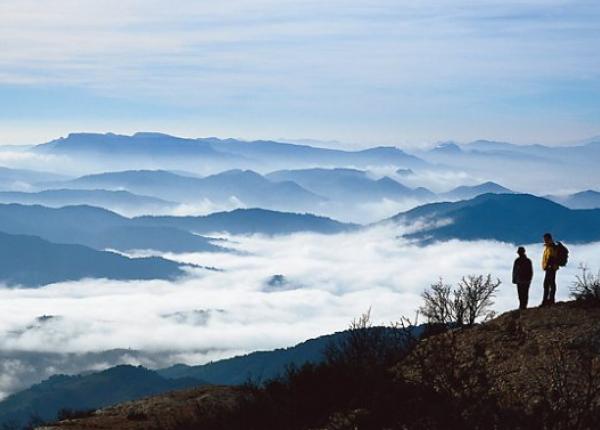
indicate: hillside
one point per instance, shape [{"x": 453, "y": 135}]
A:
[
  {"x": 31, "y": 262},
  {"x": 513, "y": 218},
  {"x": 118, "y": 384},
  {"x": 118, "y": 201},
  {"x": 97, "y": 228},
  {"x": 522, "y": 370}
]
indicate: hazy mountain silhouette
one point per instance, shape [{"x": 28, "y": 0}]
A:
[
  {"x": 119, "y": 201},
  {"x": 247, "y": 186},
  {"x": 468, "y": 192},
  {"x": 84, "y": 392},
  {"x": 138, "y": 144},
  {"x": 249, "y": 221},
  {"x": 97, "y": 228},
  {"x": 349, "y": 185},
  {"x": 583, "y": 200},
  {"x": 23, "y": 179},
  {"x": 515, "y": 218},
  {"x": 30, "y": 261},
  {"x": 260, "y": 152}
]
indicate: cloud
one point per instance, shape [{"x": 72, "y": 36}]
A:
[
  {"x": 308, "y": 67},
  {"x": 211, "y": 315}
]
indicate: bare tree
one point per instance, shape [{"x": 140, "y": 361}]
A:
[
  {"x": 465, "y": 305},
  {"x": 586, "y": 286}
]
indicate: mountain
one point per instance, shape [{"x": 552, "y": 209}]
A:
[
  {"x": 30, "y": 262},
  {"x": 349, "y": 185},
  {"x": 156, "y": 144},
  {"x": 513, "y": 218},
  {"x": 90, "y": 390},
  {"x": 236, "y": 152},
  {"x": 516, "y": 371},
  {"x": 22, "y": 179},
  {"x": 257, "y": 366},
  {"x": 583, "y": 200},
  {"x": 248, "y": 187},
  {"x": 85, "y": 392},
  {"x": 468, "y": 192},
  {"x": 97, "y": 228},
  {"x": 284, "y": 153},
  {"x": 118, "y": 201},
  {"x": 249, "y": 221}
]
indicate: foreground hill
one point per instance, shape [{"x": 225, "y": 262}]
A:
[
  {"x": 30, "y": 261},
  {"x": 514, "y": 218},
  {"x": 532, "y": 369},
  {"x": 90, "y": 390}
]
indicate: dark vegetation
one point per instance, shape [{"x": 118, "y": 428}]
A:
[
  {"x": 586, "y": 287},
  {"x": 383, "y": 378},
  {"x": 444, "y": 375}
]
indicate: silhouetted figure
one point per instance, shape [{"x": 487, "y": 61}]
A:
[
  {"x": 550, "y": 266},
  {"x": 522, "y": 276}
]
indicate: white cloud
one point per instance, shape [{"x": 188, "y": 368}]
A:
[{"x": 335, "y": 278}]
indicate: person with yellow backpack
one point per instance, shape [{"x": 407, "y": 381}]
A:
[{"x": 555, "y": 256}]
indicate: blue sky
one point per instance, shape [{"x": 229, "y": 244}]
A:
[{"x": 361, "y": 72}]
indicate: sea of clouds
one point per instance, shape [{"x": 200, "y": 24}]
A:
[{"x": 274, "y": 292}]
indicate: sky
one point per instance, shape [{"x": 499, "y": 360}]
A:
[
  {"x": 215, "y": 314},
  {"x": 393, "y": 72}
]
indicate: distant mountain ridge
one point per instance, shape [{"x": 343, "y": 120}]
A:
[
  {"x": 97, "y": 228},
  {"x": 248, "y": 187},
  {"x": 31, "y": 262},
  {"x": 258, "y": 152},
  {"x": 514, "y": 218},
  {"x": 342, "y": 184},
  {"x": 588, "y": 199},
  {"x": 466, "y": 192},
  {"x": 250, "y": 221},
  {"x": 118, "y": 201}
]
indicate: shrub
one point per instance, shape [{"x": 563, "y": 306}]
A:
[
  {"x": 464, "y": 305},
  {"x": 586, "y": 286}
]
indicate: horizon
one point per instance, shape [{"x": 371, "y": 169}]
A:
[{"x": 313, "y": 142}]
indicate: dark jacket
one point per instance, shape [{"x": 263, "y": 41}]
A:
[{"x": 522, "y": 271}]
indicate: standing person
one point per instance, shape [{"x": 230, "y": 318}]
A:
[
  {"x": 522, "y": 275},
  {"x": 550, "y": 266}
]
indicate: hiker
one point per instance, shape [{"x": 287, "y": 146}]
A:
[
  {"x": 550, "y": 266},
  {"x": 522, "y": 275}
]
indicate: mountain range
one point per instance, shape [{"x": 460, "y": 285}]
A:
[
  {"x": 93, "y": 390},
  {"x": 513, "y": 218},
  {"x": 118, "y": 201},
  {"x": 261, "y": 153},
  {"x": 249, "y": 221},
  {"x": 588, "y": 199},
  {"x": 97, "y": 228},
  {"x": 84, "y": 392},
  {"x": 30, "y": 262},
  {"x": 341, "y": 184},
  {"x": 243, "y": 187}
]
